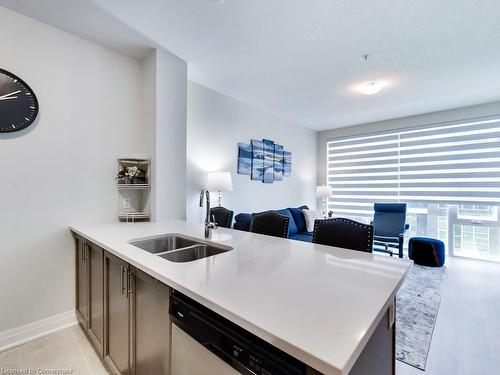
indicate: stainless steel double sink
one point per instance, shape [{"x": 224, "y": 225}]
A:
[{"x": 178, "y": 248}]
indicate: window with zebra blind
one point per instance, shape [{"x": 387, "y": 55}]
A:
[{"x": 448, "y": 174}]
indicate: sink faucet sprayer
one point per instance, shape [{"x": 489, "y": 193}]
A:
[{"x": 208, "y": 224}]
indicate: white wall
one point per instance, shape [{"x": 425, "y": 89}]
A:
[
  {"x": 62, "y": 170},
  {"x": 170, "y": 137},
  {"x": 487, "y": 109},
  {"x": 165, "y": 102},
  {"x": 216, "y": 124}
]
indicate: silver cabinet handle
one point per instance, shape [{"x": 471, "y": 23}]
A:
[
  {"x": 129, "y": 283},
  {"x": 121, "y": 279}
]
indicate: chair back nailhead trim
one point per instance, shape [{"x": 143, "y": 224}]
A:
[
  {"x": 229, "y": 215},
  {"x": 369, "y": 228},
  {"x": 283, "y": 218}
]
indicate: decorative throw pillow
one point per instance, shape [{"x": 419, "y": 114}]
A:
[
  {"x": 311, "y": 216},
  {"x": 298, "y": 217}
]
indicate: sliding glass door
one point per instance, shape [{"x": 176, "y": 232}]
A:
[{"x": 448, "y": 174}]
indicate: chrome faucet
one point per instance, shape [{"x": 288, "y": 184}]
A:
[{"x": 208, "y": 224}]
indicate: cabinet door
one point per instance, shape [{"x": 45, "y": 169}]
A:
[
  {"x": 96, "y": 295},
  {"x": 150, "y": 325},
  {"x": 378, "y": 355},
  {"x": 81, "y": 281},
  {"x": 117, "y": 315}
]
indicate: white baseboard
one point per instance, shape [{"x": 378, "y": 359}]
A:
[{"x": 28, "y": 332}]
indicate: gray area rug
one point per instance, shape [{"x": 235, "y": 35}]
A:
[{"x": 417, "y": 305}]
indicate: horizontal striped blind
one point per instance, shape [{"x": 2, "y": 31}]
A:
[{"x": 447, "y": 163}]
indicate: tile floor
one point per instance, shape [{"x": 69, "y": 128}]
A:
[
  {"x": 66, "y": 349},
  {"x": 465, "y": 340}
]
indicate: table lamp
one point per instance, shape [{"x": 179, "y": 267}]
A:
[
  {"x": 323, "y": 192},
  {"x": 219, "y": 181}
]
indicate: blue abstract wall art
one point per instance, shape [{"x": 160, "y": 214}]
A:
[
  {"x": 264, "y": 161},
  {"x": 279, "y": 161},
  {"x": 287, "y": 164},
  {"x": 257, "y": 160},
  {"x": 244, "y": 159},
  {"x": 268, "y": 161}
]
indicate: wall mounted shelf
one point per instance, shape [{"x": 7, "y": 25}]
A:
[
  {"x": 134, "y": 198},
  {"x": 134, "y": 186}
]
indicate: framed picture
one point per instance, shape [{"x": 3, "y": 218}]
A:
[
  {"x": 287, "y": 165},
  {"x": 278, "y": 162},
  {"x": 268, "y": 177},
  {"x": 264, "y": 161},
  {"x": 245, "y": 159},
  {"x": 257, "y": 160}
]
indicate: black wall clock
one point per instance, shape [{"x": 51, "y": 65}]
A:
[{"x": 18, "y": 103}]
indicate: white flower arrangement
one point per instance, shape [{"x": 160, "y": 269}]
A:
[{"x": 132, "y": 173}]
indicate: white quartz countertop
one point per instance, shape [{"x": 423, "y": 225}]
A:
[{"x": 318, "y": 303}]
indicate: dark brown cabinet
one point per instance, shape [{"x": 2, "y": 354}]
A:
[
  {"x": 123, "y": 310},
  {"x": 137, "y": 321},
  {"x": 81, "y": 281},
  {"x": 95, "y": 260},
  {"x": 151, "y": 328},
  {"x": 89, "y": 290},
  {"x": 118, "y": 308}
]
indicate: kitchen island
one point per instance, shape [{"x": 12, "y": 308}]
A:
[{"x": 322, "y": 305}]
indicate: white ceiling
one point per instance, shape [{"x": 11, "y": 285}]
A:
[{"x": 298, "y": 59}]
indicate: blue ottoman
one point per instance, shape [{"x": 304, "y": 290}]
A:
[{"x": 426, "y": 251}]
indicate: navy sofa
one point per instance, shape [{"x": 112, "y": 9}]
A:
[{"x": 297, "y": 224}]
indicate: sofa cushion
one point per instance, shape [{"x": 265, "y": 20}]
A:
[
  {"x": 242, "y": 221},
  {"x": 311, "y": 216},
  {"x": 292, "y": 228},
  {"x": 298, "y": 217},
  {"x": 304, "y": 236}
]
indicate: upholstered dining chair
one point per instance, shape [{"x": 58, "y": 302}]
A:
[
  {"x": 270, "y": 223},
  {"x": 222, "y": 216},
  {"x": 345, "y": 233}
]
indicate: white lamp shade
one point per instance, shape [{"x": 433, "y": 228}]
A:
[
  {"x": 219, "y": 181},
  {"x": 323, "y": 191}
]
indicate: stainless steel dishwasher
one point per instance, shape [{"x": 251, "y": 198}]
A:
[{"x": 205, "y": 343}]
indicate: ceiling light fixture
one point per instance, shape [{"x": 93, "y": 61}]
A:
[{"x": 371, "y": 88}]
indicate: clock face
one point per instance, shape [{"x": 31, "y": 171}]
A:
[{"x": 18, "y": 103}]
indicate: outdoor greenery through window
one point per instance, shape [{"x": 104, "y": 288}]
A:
[{"x": 448, "y": 174}]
